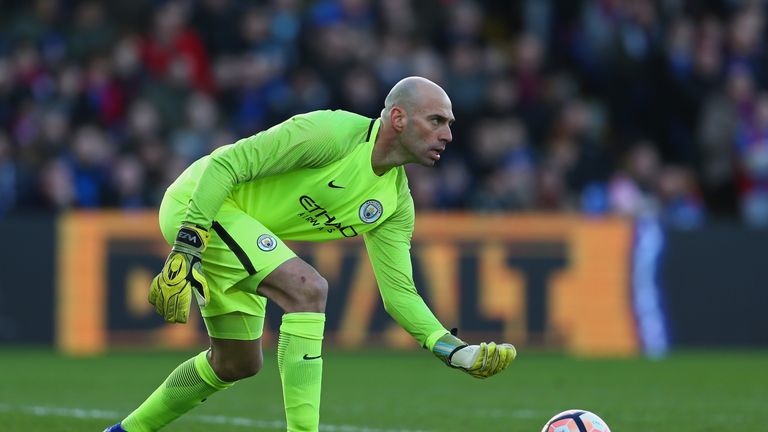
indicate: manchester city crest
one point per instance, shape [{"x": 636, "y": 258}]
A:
[
  {"x": 266, "y": 242},
  {"x": 370, "y": 211}
]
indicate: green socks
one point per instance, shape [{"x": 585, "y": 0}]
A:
[
  {"x": 185, "y": 388},
  {"x": 301, "y": 368}
]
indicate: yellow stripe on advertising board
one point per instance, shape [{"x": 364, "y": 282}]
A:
[{"x": 486, "y": 274}]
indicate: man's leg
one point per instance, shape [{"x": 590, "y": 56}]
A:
[
  {"x": 235, "y": 314},
  {"x": 297, "y": 288},
  {"x": 194, "y": 381}
]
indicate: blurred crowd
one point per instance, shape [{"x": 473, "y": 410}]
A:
[{"x": 635, "y": 107}]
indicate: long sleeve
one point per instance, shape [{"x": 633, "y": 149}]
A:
[
  {"x": 389, "y": 250},
  {"x": 306, "y": 140}
]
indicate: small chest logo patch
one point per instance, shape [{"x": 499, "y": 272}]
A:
[
  {"x": 266, "y": 242},
  {"x": 370, "y": 211}
]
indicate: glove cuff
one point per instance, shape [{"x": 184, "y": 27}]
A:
[
  {"x": 446, "y": 346},
  {"x": 191, "y": 239}
]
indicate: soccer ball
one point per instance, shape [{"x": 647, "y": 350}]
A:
[{"x": 576, "y": 421}]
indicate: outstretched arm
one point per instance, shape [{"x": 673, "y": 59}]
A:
[{"x": 389, "y": 250}]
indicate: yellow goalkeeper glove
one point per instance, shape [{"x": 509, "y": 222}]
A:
[
  {"x": 170, "y": 292},
  {"x": 480, "y": 361}
]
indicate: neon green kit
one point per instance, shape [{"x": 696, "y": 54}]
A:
[{"x": 308, "y": 178}]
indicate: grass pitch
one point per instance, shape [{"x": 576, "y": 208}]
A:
[{"x": 384, "y": 391}]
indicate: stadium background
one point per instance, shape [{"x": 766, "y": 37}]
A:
[{"x": 604, "y": 201}]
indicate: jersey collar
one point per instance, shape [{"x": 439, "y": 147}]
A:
[{"x": 373, "y": 130}]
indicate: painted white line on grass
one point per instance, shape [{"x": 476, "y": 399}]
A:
[
  {"x": 245, "y": 422},
  {"x": 505, "y": 413}
]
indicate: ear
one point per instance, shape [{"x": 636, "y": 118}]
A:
[{"x": 398, "y": 118}]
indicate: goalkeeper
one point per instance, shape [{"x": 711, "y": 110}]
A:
[{"x": 319, "y": 176}]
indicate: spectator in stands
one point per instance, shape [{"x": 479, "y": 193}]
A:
[{"x": 551, "y": 96}]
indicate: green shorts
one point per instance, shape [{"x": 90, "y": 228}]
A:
[
  {"x": 241, "y": 252},
  {"x": 235, "y": 325}
]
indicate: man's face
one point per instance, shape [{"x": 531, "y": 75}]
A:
[{"x": 428, "y": 130}]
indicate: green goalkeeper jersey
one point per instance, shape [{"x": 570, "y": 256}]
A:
[{"x": 310, "y": 178}]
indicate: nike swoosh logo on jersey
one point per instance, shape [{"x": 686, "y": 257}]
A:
[
  {"x": 307, "y": 357},
  {"x": 330, "y": 184}
]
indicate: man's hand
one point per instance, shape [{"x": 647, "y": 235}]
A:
[
  {"x": 480, "y": 361},
  {"x": 170, "y": 292}
]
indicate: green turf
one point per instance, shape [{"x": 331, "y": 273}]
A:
[{"x": 391, "y": 391}]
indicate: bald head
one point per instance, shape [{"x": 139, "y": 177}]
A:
[
  {"x": 415, "y": 125},
  {"x": 409, "y": 92}
]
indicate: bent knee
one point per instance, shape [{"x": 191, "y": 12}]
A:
[
  {"x": 235, "y": 370},
  {"x": 296, "y": 287},
  {"x": 320, "y": 289},
  {"x": 314, "y": 293}
]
